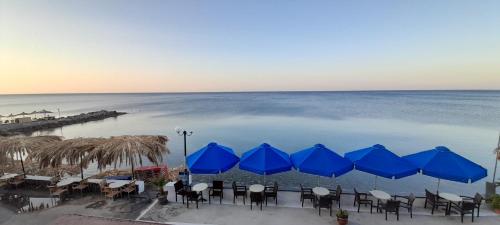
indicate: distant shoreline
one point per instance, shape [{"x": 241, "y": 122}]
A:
[{"x": 257, "y": 92}]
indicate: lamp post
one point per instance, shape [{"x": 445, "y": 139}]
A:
[{"x": 182, "y": 132}]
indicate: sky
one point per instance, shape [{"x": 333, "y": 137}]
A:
[{"x": 209, "y": 46}]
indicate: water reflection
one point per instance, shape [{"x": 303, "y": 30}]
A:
[{"x": 23, "y": 203}]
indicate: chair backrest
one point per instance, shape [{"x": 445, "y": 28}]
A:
[
  {"x": 411, "y": 199},
  {"x": 430, "y": 196},
  {"x": 324, "y": 202},
  {"x": 392, "y": 205},
  {"x": 338, "y": 192},
  {"x": 255, "y": 196},
  {"x": 478, "y": 198},
  {"x": 218, "y": 184},
  {"x": 275, "y": 190},
  {"x": 466, "y": 206},
  {"x": 356, "y": 194},
  {"x": 178, "y": 185}
]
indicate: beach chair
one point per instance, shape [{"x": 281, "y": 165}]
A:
[
  {"x": 391, "y": 206},
  {"x": 477, "y": 200},
  {"x": 335, "y": 195},
  {"x": 180, "y": 189},
  {"x": 217, "y": 189},
  {"x": 306, "y": 193},
  {"x": 464, "y": 208},
  {"x": 193, "y": 196},
  {"x": 130, "y": 188},
  {"x": 362, "y": 199},
  {"x": 81, "y": 186},
  {"x": 325, "y": 203},
  {"x": 433, "y": 200},
  {"x": 256, "y": 197},
  {"x": 410, "y": 199},
  {"x": 239, "y": 190},
  {"x": 271, "y": 192}
]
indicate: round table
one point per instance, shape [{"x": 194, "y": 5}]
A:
[
  {"x": 199, "y": 187},
  {"x": 451, "y": 198},
  {"x": 321, "y": 191},
  {"x": 381, "y": 195},
  {"x": 256, "y": 188}
]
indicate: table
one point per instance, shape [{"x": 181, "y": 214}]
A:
[
  {"x": 380, "y": 195},
  {"x": 9, "y": 176},
  {"x": 321, "y": 191},
  {"x": 67, "y": 181},
  {"x": 39, "y": 178},
  {"x": 118, "y": 183},
  {"x": 256, "y": 188},
  {"x": 199, "y": 187},
  {"x": 451, "y": 198}
]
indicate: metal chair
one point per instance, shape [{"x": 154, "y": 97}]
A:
[
  {"x": 217, "y": 189},
  {"x": 271, "y": 192},
  {"x": 433, "y": 200},
  {"x": 180, "y": 189},
  {"x": 408, "y": 204},
  {"x": 193, "y": 196},
  {"x": 239, "y": 190},
  {"x": 335, "y": 195},
  {"x": 477, "y": 200},
  {"x": 325, "y": 203},
  {"x": 464, "y": 208},
  {"x": 391, "y": 206},
  {"x": 306, "y": 193},
  {"x": 256, "y": 197},
  {"x": 362, "y": 199}
]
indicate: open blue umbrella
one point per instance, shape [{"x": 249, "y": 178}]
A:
[
  {"x": 212, "y": 159},
  {"x": 379, "y": 161},
  {"x": 321, "y": 161},
  {"x": 442, "y": 163},
  {"x": 265, "y": 160}
]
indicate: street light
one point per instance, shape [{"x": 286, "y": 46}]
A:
[{"x": 181, "y": 132}]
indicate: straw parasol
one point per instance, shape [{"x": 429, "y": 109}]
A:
[
  {"x": 129, "y": 150},
  {"x": 71, "y": 151},
  {"x": 19, "y": 145},
  {"x": 44, "y": 112}
]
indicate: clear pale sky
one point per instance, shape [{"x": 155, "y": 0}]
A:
[{"x": 183, "y": 46}]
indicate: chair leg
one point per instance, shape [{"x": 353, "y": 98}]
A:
[
  {"x": 411, "y": 212},
  {"x": 462, "y": 217},
  {"x": 251, "y": 205},
  {"x": 266, "y": 201},
  {"x": 371, "y": 208},
  {"x": 478, "y": 211},
  {"x": 220, "y": 199},
  {"x": 397, "y": 215},
  {"x": 358, "y": 207},
  {"x": 260, "y": 206},
  {"x": 209, "y": 198},
  {"x": 234, "y": 199},
  {"x": 319, "y": 211},
  {"x": 330, "y": 210},
  {"x": 386, "y": 215}
]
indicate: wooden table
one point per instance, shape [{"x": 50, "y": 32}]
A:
[
  {"x": 451, "y": 198},
  {"x": 8, "y": 176},
  {"x": 68, "y": 181},
  {"x": 256, "y": 188}
]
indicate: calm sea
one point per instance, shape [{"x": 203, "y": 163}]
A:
[{"x": 405, "y": 122}]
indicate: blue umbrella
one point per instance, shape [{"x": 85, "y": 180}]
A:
[
  {"x": 379, "y": 161},
  {"x": 321, "y": 161},
  {"x": 442, "y": 163},
  {"x": 265, "y": 160},
  {"x": 212, "y": 159}
]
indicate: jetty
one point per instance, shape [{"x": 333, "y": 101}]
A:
[{"x": 29, "y": 127}]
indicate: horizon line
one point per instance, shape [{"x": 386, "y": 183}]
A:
[{"x": 229, "y": 92}]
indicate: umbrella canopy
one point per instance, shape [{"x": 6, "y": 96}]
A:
[
  {"x": 265, "y": 160},
  {"x": 129, "y": 150},
  {"x": 71, "y": 150},
  {"x": 19, "y": 145},
  {"x": 442, "y": 163},
  {"x": 379, "y": 161},
  {"x": 22, "y": 114},
  {"x": 321, "y": 161},
  {"x": 44, "y": 111},
  {"x": 212, "y": 159}
]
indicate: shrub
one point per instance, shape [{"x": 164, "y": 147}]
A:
[
  {"x": 495, "y": 203},
  {"x": 343, "y": 214}
]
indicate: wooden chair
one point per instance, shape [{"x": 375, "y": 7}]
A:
[
  {"x": 391, "y": 206},
  {"x": 130, "y": 188},
  {"x": 306, "y": 193},
  {"x": 464, "y": 208},
  {"x": 477, "y": 200},
  {"x": 180, "y": 189},
  {"x": 217, "y": 189},
  {"x": 335, "y": 195},
  {"x": 271, "y": 192},
  {"x": 112, "y": 193},
  {"x": 81, "y": 186},
  {"x": 193, "y": 196},
  {"x": 239, "y": 190},
  {"x": 16, "y": 181},
  {"x": 325, "y": 203},
  {"x": 433, "y": 200},
  {"x": 256, "y": 197},
  {"x": 362, "y": 199},
  {"x": 57, "y": 192},
  {"x": 408, "y": 204}
]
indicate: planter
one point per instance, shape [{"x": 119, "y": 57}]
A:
[{"x": 342, "y": 221}]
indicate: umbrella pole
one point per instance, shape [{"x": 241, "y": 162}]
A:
[
  {"x": 318, "y": 180},
  {"x": 439, "y": 181},
  {"x": 375, "y": 184},
  {"x": 496, "y": 159},
  {"x": 81, "y": 166},
  {"x": 22, "y": 164},
  {"x": 132, "y": 164}
]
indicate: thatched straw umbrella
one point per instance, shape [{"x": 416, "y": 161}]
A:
[
  {"x": 72, "y": 151},
  {"x": 129, "y": 150},
  {"x": 19, "y": 145}
]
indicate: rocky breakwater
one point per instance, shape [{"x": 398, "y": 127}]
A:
[{"x": 29, "y": 127}]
